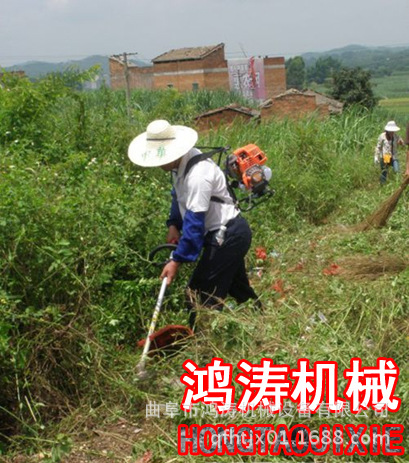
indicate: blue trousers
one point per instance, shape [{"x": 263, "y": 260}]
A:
[{"x": 385, "y": 167}]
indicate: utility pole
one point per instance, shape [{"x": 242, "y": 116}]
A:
[{"x": 127, "y": 86}]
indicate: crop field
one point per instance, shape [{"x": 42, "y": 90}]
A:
[
  {"x": 393, "y": 86},
  {"x": 399, "y": 107},
  {"x": 77, "y": 223}
]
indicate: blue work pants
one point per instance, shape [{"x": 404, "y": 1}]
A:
[{"x": 384, "y": 169}]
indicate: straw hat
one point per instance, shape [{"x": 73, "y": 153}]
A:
[
  {"x": 161, "y": 144},
  {"x": 391, "y": 127}
]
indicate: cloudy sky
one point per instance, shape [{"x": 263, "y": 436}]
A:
[{"x": 59, "y": 30}]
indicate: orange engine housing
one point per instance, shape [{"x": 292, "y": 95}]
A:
[{"x": 247, "y": 157}]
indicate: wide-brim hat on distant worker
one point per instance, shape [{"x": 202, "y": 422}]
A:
[
  {"x": 391, "y": 127},
  {"x": 161, "y": 144}
]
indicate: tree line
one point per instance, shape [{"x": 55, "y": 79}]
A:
[{"x": 352, "y": 86}]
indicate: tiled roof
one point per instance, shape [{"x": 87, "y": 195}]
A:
[
  {"x": 184, "y": 54},
  {"x": 233, "y": 107}
]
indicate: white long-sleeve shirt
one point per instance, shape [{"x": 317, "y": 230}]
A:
[{"x": 194, "y": 191}]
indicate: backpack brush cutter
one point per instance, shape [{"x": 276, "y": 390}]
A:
[
  {"x": 246, "y": 166},
  {"x": 245, "y": 171}
]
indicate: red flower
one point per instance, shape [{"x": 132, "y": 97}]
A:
[{"x": 261, "y": 253}]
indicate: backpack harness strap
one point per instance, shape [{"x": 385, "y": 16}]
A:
[{"x": 202, "y": 157}]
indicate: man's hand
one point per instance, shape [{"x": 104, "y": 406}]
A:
[
  {"x": 173, "y": 235},
  {"x": 170, "y": 270}
]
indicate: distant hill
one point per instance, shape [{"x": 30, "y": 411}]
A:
[
  {"x": 36, "y": 69},
  {"x": 375, "y": 59}
]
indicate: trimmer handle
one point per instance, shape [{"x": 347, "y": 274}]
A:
[{"x": 170, "y": 247}]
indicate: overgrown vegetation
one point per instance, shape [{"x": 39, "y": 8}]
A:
[{"x": 77, "y": 221}]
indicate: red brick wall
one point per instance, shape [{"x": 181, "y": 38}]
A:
[
  {"x": 116, "y": 73},
  {"x": 291, "y": 106},
  {"x": 217, "y": 80},
  {"x": 217, "y": 76},
  {"x": 178, "y": 74},
  {"x": 177, "y": 66},
  {"x": 141, "y": 77},
  {"x": 274, "y": 76},
  {"x": 323, "y": 110},
  {"x": 222, "y": 117},
  {"x": 138, "y": 77},
  {"x": 180, "y": 81},
  {"x": 215, "y": 59}
]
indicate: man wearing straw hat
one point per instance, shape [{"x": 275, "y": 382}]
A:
[
  {"x": 203, "y": 220},
  {"x": 386, "y": 151}
]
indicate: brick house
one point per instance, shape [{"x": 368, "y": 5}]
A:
[
  {"x": 294, "y": 103},
  {"x": 191, "y": 69}
]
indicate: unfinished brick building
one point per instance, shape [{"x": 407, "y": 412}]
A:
[
  {"x": 191, "y": 69},
  {"x": 138, "y": 77}
]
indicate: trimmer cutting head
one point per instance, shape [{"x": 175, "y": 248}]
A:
[{"x": 170, "y": 337}]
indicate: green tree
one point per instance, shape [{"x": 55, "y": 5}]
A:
[
  {"x": 295, "y": 72},
  {"x": 353, "y": 87},
  {"x": 322, "y": 69}
]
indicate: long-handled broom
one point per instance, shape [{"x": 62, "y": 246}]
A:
[{"x": 380, "y": 217}]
